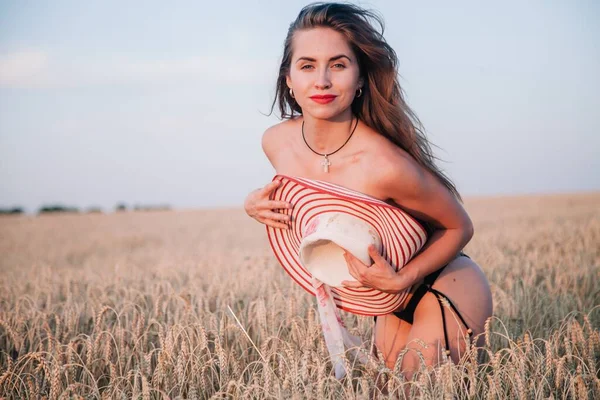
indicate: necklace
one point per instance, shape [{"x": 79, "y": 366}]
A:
[{"x": 326, "y": 163}]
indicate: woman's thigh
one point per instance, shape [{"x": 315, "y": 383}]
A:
[
  {"x": 465, "y": 284},
  {"x": 390, "y": 337}
]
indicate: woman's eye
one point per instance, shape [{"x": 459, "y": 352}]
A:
[
  {"x": 339, "y": 65},
  {"x": 306, "y": 66}
]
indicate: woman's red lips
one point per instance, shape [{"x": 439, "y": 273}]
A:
[{"x": 324, "y": 98}]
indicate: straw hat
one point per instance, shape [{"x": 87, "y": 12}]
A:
[{"x": 328, "y": 218}]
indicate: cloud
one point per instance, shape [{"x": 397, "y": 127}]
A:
[{"x": 38, "y": 69}]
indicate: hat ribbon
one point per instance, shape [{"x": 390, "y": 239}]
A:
[{"x": 336, "y": 334}]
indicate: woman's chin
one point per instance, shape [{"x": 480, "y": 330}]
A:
[{"x": 324, "y": 112}]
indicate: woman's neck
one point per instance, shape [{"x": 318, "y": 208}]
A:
[{"x": 326, "y": 136}]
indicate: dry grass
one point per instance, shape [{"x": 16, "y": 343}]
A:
[{"x": 134, "y": 305}]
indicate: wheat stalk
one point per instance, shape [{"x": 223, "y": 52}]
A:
[{"x": 246, "y": 333}]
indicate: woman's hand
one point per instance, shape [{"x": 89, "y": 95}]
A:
[
  {"x": 380, "y": 275},
  {"x": 259, "y": 207}
]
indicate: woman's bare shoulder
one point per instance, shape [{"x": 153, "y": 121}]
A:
[
  {"x": 278, "y": 129},
  {"x": 275, "y": 135},
  {"x": 389, "y": 162},
  {"x": 382, "y": 152}
]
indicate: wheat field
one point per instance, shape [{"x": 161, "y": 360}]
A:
[{"x": 135, "y": 305}]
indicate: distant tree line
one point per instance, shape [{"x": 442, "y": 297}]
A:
[
  {"x": 56, "y": 208},
  {"x": 139, "y": 207},
  {"x": 14, "y": 210},
  {"x": 59, "y": 208}
]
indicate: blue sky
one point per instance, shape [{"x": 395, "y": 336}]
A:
[{"x": 163, "y": 102}]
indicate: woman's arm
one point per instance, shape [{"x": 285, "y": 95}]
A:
[
  {"x": 422, "y": 195},
  {"x": 257, "y": 204}
]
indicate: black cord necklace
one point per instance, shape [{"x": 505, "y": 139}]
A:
[{"x": 326, "y": 163}]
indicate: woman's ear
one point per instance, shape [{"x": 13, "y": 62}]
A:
[{"x": 288, "y": 82}]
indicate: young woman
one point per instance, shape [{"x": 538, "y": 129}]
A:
[{"x": 346, "y": 122}]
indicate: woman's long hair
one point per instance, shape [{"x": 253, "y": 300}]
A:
[{"x": 382, "y": 106}]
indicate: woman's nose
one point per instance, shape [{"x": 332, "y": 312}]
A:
[{"x": 323, "y": 81}]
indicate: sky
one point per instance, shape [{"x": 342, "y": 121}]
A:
[{"x": 160, "y": 102}]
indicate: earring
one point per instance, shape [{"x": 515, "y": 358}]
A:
[
  {"x": 292, "y": 93},
  {"x": 359, "y": 92}
]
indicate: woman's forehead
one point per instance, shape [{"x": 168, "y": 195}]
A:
[{"x": 320, "y": 43}]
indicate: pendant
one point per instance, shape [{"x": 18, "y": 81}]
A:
[{"x": 326, "y": 163}]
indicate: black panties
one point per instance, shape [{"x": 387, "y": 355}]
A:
[{"x": 407, "y": 314}]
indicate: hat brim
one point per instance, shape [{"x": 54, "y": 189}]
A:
[{"x": 402, "y": 237}]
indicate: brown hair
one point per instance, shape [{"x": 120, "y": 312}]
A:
[{"x": 382, "y": 106}]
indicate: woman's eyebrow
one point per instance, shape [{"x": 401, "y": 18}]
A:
[{"x": 331, "y": 59}]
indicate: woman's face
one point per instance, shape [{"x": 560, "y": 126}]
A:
[{"x": 323, "y": 64}]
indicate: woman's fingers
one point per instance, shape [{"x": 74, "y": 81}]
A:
[
  {"x": 269, "y": 187},
  {"x": 274, "y": 219},
  {"x": 268, "y": 214},
  {"x": 352, "y": 267},
  {"x": 273, "y": 224},
  {"x": 259, "y": 207},
  {"x": 377, "y": 258},
  {"x": 279, "y": 225},
  {"x": 352, "y": 284},
  {"x": 272, "y": 204},
  {"x": 276, "y": 205}
]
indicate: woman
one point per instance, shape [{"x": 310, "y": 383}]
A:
[{"x": 347, "y": 123}]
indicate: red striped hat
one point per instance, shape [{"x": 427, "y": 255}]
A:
[{"x": 401, "y": 237}]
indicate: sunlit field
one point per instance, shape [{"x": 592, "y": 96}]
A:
[{"x": 135, "y": 305}]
